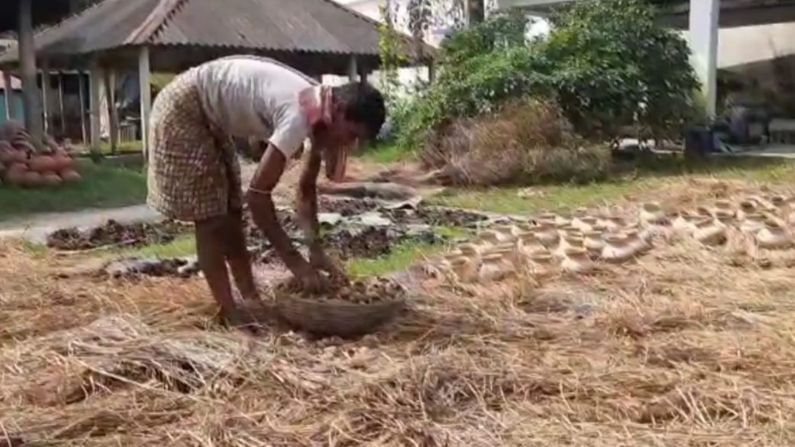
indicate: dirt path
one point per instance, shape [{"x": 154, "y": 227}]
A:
[{"x": 35, "y": 228}]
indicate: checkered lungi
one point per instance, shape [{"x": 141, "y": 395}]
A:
[{"x": 193, "y": 170}]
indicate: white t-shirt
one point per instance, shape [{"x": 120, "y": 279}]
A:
[{"x": 248, "y": 96}]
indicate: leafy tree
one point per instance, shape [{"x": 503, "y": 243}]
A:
[{"x": 607, "y": 63}]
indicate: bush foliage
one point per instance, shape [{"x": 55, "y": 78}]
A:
[
  {"x": 607, "y": 63},
  {"x": 527, "y": 142}
]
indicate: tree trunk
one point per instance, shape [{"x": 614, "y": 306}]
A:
[{"x": 476, "y": 11}]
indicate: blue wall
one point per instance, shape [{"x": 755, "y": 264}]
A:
[{"x": 17, "y": 98}]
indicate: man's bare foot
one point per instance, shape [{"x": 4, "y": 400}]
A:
[{"x": 240, "y": 319}]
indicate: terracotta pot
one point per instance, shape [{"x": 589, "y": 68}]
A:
[
  {"x": 708, "y": 232},
  {"x": 64, "y": 162},
  {"x": 15, "y": 174},
  {"x": 774, "y": 237},
  {"x": 465, "y": 269},
  {"x": 6, "y": 155},
  {"x": 547, "y": 235},
  {"x": 19, "y": 156},
  {"x": 70, "y": 176},
  {"x": 43, "y": 164},
  {"x": 541, "y": 264},
  {"x": 506, "y": 232},
  {"x": 32, "y": 179},
  {"x": 651, "y": 213},
  {"x": 746, "y": 207},
  {"x": 593, "y": 241},
  {"x": 617, "y": 249},
  {"x": 585, "y": 223},
  {"x": 51, "y": 179},
  {"x": 685, "y": 223},
  {"x": 569, "y": 242},
  {"x": 724, "y": 207},
  {"x": 636, "y": 242},
  {"x": 576, "y": 261},
  {"x": 752, "y": 223},
  {"x": 493, "y": 267}
]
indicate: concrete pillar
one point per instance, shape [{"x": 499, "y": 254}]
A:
[
  {"x": 113, "y": 115},
  {"x": 27, "y": 59},
  {"x": 353, "y": 69},
  {"x": 46, "y": 96},
  {"x": 144, "y": 82},
  {"x": 81, "y": 93},
  {"x": 704, "y": 26},
  {"x": 94, "y": 107},
  {"x": 9, "y": 96},
  {"x": 61, "y": 105}
]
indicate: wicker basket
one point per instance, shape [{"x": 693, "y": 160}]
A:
[{"x": 336, "y": 317}]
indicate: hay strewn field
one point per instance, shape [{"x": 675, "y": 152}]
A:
[{"x": 687, "y": 346}]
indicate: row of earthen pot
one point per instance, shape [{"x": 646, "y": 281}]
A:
[{"x": 574, "y": 244}]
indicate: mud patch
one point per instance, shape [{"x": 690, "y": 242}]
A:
[
  {"x": 431, "y": 215},
  {"x": 114, "y": 233}
]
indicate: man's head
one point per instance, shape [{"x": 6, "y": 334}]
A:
[{"x": 357, "y": 115}]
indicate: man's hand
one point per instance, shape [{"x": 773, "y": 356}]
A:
[
  {"x": 312, "y": 281},
  {"x": 321, "y": 261}
]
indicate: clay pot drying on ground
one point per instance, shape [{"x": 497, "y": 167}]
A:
[
  {"x": 64, "y": 162},
  {"x": 43, "y": 164},
  {"x": 617, "y": 249},
  {"x": 547, "y": 235},
  {"x": 562, "y": 221},
  {"x": 568, "y": 242},
  {"x": 507, "y": 232},
  {"x": 576, "y": 260},
  {"x": 651, "y": 213},
  {"x": 709, "y": 232},
  {"x": 51, "y": 179},
  {"x": 70, "y": 176},
  {"x": 685, "y": 223},
  {"x": 465, "y": 269},
  {"x": 492, "y": 268},
  {"x": 746, "y": 207},
  {"x": 752, "y": 223},
  {"x": 636, "y": 242},
  {"x": 723, "y": 207},
  {"x": 528, "y": 243},
  {"x": 777, "y": 201},
  {"x": 15, "y": 174},
  {"x": 585, "y": 223},
  {"x": 541, "y": 264},
  {"x": 593, "y": 241},
  {"x": 774, "y": 237},
  {"x": 32, "y": 179},
  {"x": 612, "y": 223}
]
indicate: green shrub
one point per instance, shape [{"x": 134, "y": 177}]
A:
[{"x": 607, "y": 63}]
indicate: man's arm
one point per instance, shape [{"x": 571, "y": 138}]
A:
[
  {"x": 307, "y": 199},
  {"x": 307, "y": 217},
  {"x": 260, "y": 202}
]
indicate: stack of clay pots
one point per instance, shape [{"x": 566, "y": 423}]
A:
[{"x": 23, "y": 164}]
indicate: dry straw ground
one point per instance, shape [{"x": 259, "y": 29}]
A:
[{"x": 687, "y": 346}]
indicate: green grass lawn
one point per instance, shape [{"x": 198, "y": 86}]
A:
[
  {"x": 645, "y": 178},
  {"x": 182, "y": 245},
  {"x": 403, "y": 255},
  {"x": 385, "y": 153},
  {"x": 101, "y": 187}
]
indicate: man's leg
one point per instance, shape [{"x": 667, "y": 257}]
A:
[
  {"x": 237, "y": 256},
  {"x": 210, "y": 249}
]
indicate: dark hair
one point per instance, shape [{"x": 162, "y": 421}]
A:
[{"x": 364, "y": 104}]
